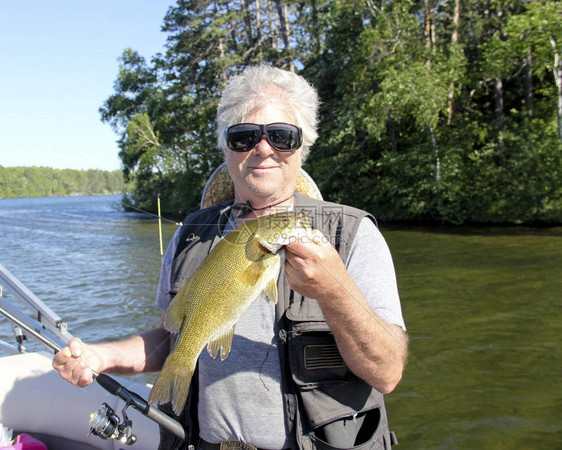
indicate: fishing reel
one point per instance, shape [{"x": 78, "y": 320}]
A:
[{"x": 106, "y": 424}]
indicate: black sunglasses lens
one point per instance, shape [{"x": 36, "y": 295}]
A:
[
  {"x": 242, "y": 138},
  {"x": 283, "y": 137}
]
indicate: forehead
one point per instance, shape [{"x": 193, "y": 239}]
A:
[{"x": 269, "y": 113}]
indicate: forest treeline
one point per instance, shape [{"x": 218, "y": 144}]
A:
[
  {"x": 445, "y": 111},
  {"x": 21, "y": 182}
]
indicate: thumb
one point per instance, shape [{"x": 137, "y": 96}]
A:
[{"x": 76, "y": 347}]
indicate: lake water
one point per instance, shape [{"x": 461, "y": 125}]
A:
[
  {"x": 94, "y": 265},
  {"x": 482, "y": 306}
]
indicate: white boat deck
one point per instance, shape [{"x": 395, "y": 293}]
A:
[{"x": 35, "y": 400}]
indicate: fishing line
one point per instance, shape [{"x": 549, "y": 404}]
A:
[
  {"x": 247, "y": 208},
  {"x": 326, "y": 179},
  {"x": 113, "y": 387},
  {"x": 27, "y": 350},
  {"x": 271, "y": 346},
  {"x": 156, "y": 350},
  {"x": 125, "y": 205},
  {"x": 156, "y": 216}
]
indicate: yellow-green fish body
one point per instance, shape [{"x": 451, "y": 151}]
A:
[{"x": 241, "y": 266}]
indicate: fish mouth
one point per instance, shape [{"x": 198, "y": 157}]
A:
[
  {"x": 267, "y": 248},
  {"x": 270, "y": 247},
  {"x": 278, "y": 240}
]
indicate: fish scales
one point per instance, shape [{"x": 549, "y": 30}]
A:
[{"x": 204, "y": 312}]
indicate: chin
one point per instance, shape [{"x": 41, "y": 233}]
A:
[
  {"x": 264, "y": 184},
  {"x": 262, "y": 191},
  {"x": 265, "y": 189}
]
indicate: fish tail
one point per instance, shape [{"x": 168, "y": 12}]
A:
[{"x": 172, "y": 385}]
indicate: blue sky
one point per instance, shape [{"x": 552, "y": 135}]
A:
[{"x": 58, "y": 62}]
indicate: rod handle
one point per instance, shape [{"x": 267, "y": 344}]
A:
[{"x": 136, "y": 401}]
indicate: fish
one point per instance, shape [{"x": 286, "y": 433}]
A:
[{"x": 244, "y": 265}]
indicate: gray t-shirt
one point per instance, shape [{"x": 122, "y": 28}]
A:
[{"x": 240, "y": 398}]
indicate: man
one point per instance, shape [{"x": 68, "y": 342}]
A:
[{"x": 309, "y": 373}]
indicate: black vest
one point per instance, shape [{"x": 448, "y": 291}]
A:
[{"x": 324, "y": 401}]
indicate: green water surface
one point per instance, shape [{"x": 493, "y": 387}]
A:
[{"x": 482, "y": 307}]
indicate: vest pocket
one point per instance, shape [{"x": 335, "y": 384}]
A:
[
  {"x": 360, "y": 432},
  {"x": 314, "y": 357},
  {"x": 327, "y": 389},
  {"x": 338, "y": 409}
]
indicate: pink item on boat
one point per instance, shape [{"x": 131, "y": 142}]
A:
[{"x": 26, "y": 442}]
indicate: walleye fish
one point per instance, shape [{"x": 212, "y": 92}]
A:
[{"x": 205, "y": 311}]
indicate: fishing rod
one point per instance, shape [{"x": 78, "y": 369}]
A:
[{"x": 105, "y": 423}]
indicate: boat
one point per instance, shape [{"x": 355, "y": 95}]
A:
[{"x": 36, "y": 401}]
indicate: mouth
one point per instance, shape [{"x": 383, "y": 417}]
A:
[
  {"x": 264, "y": 168},
  {"x": 265, "y": 249}
]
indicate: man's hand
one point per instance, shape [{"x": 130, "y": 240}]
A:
[
  {"x": 372, "y": 348},
  {"x": 314, "y": 268},
  {"x": 75, "y": 363}
]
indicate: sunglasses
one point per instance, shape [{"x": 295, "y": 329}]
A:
[{"x": 283, "y": 137}]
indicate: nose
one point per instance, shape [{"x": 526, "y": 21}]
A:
[{"x": 263, "y": 146}]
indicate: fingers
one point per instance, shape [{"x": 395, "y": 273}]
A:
[
  {"x": 72, "y": 363},
  {"x": 73, "y": 349},
  {"x": 313, "y": 237},
  {"x": 314, "y": 247},
  {"x": 306, "y": 247},
  {"x": 314, "y": 268},
  {"x": 296, "y": 257}
]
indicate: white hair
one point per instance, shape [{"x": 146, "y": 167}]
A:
[{"x": 259, "y": 86}]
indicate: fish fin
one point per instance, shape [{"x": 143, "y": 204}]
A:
[
  {"x": 252, "y": 274},
  {"x": 172, "y": 384},
  {"x": 223, "y": 342},
  {"x": 176, "y": 312},
  {"x": 256, "y": 270},
  {"x": 270, "y": 291}
]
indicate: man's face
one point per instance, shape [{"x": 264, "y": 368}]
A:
[{"x": 264, "y": 175}]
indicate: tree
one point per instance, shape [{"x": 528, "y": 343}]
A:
[
  {"x": 46, "y": 182},
  {"x": 396, "y": 80},
  {"x": 164, "y": 112},
  {"x": 521, "y": 54},
  {"x": 529, "y": 45},
  {"x": 443, "y": 110}
]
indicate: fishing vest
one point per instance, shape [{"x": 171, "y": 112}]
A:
[{"x": 327, "y": 406}]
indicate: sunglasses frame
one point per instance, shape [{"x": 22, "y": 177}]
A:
[{"x": 264, "y": 130}]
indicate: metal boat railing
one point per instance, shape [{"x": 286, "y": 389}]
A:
[
  {"x": 51, "y": 330},
  {"x": 29, "y": 310}
]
